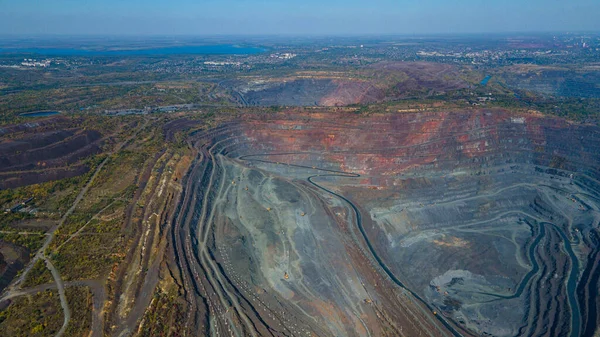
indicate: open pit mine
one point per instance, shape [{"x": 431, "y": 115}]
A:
[{"x": 478, "y": 223}]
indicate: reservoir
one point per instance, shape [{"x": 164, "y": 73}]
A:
[
  {"x": 175, "y": 50},
  {"x": 486, "y": 80},
  {"x": 39, "y": 113}
]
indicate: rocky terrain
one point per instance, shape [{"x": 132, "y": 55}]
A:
[
  {"x": 455, "y": 223},
  {"x": 354, "y": 186}
]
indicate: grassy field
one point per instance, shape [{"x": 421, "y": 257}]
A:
[{"x": 38, "y": 314}]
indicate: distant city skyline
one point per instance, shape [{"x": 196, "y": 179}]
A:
[{"x": 308, "y": 17}]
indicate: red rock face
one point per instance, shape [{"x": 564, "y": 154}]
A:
[{"x": 389, "y": 144}]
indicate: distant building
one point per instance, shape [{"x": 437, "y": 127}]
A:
[
  {"x": 283, "y": 56},
  {"x": 222, "y": 63},
  {"x": 35, "y": 63}
]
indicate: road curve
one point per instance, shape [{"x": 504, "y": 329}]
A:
[{"x": 380, "y": 262}]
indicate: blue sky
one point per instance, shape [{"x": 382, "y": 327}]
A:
[{"x": 330, "y": 17}]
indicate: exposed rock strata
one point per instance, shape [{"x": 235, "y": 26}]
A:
[{"x": 456, "y": 223}]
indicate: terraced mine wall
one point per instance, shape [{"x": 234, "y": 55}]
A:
[
  {"x": 379, "y": 82},
  {"x": 441, "y": 224},
  {"x": 52, "y": 149}
]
